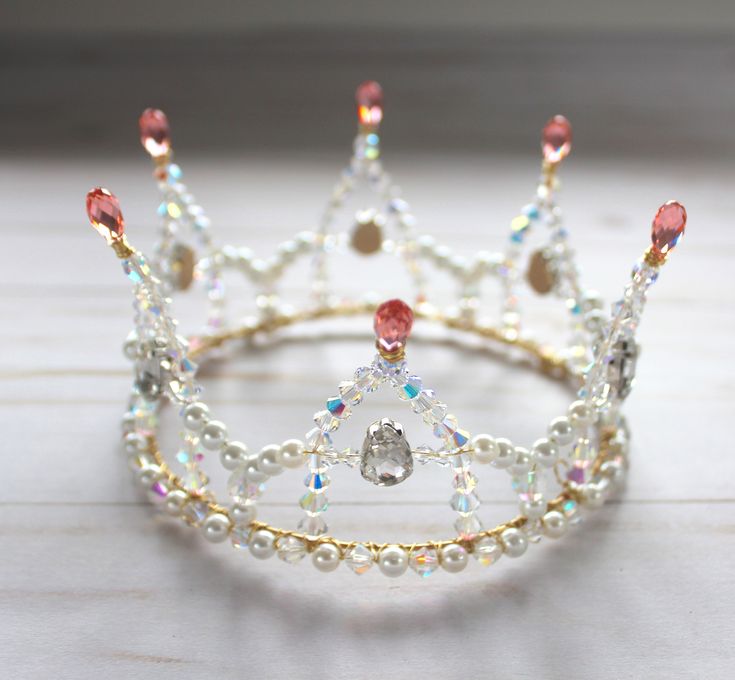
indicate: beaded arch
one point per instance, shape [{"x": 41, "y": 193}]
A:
[{"x": 577, "y": 462}]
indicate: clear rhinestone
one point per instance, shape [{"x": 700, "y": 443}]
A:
[
  {"x": 465, "y": 503},
  {"x": 386, "y": 454},
  {"x": 359, "y": 558},
  {"x": 312, "y": 526},
  {"x": 290, "y": 549},
  {"x": 424, "y": 561},
  {"x": 488, "y": 550}
]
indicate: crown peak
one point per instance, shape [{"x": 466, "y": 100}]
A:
[
  {"x": 556, "y": 139},
  {"x": 105, "y": 215},
  {"x": 668, "y": 227},
  {"x": 369, "y": 99},
  {"x": 155, "y": 132}
]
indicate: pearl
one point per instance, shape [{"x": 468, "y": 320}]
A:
[
  {"x": 522, "y": 462},
  {"x": 214, "y": 435},
  {"x": 175, "y": 501},
  {"x": 149, "y": 475},
  {"x": 593, "y": 495},
  {"x": 127, "y": 423},
  {"x": 134, "y": 443},
  {"x": 560, "y": 431},
  {"x": 393, "y": 561},
  {"x": 291, "y": 453},
  {"x": 485, "y": 448},
  {"x": 261, "y": 544},
  {"x": 216, "y": 527},
  {"x": 453, "y": 558},
  {"x": 233, "y": 455},
  {"x": 253, "y": 473},
  {"x": 554, "y": 524},
  {"x": 326, "y": 557},
  {"x": 506, "y": 454},
  {"x": 514, "y": 542},
  {"x": 580, "y": 415},
  {"x": 533, "y": 509},
  {"x": 545, "y": 453},
  {"x": 196, "y": 416},
  {"x": 268, "y": 460},
  {"x": 614, "y": 471},
  {"x": 243, "y": 513},
  {"x": 130, "y": 346}
]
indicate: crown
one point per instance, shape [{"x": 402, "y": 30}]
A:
[{"x": 579, "y": 460}]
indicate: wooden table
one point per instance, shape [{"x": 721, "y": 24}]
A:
[{"x": 94, "y": 584}]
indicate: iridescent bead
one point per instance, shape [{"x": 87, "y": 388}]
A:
[
  {"x": 424, "y": 561},
  {"x": 359, "y": 558},
  {"x": 487, "y": 550},
  {"x": 290, "y": 549}
]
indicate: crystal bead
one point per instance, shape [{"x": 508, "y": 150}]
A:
[
  {"x": 464, "y": 503},
  {"x": 488, "y": 550},
  {"x": 392, "y": 324},
  {"x": 103, "y": 210},
  {"x": 368, "y": 378},
  {"x": 424, "y": 561},
  {"x": 359, "y": 558},
  {"x": 317, "y": 480},
  {"x": 369, "y": 100},
  {"x": 313, "y": 503},
  {"x": 668, "y": 226},
  {"x": 325, "y": 421},
  {"x": 290, "y": 549},
  {"x": 410, "y": 389},
  {"x": 436, "y": 413},
  {"x": 338, "y": 408},
  {"x": 423, "y": 401},
  {"x": 533, "y": 531},
  {"x": 350, "y": 393},
  {"x": 386, "y": 454},
  {"x": 313, "y": 526},
  {"x": 195, "y": 511},
  {"x": 317, "y": 440},
  {"x": 240, "y": 536},
  {"x": 464, "y": 481},
  {"x": 556, "y": 139},
  {"x": 155, "y": 132},
  {"x": 468, "y": 527},
  {"x": 571, "y": 511}
]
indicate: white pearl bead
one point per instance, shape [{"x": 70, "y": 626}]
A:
[
  {"x": 175, "y": 501},
  {"x": 149, "y": 475},
  {"x": 522, "y": 462},
  {"x": 233, "y": 455},
  {"x": 134, "y": 443},
  {"x": 554, "y": 524},
  {"x": 593, "y": 496},
  {"x": 261, "y": 544},
  {"x": 214, "y": 435},
  {"x": 580, "y": 415},
  {"x": 216, "y": 527},
  {"x": 560, "y": 431},
  {"x": 614, "y": 471},
  {"x": 243, "y": 513},
  {"x": 514, "y": 542},
  {"x": 291, "y": 453},
  {"x": 393, "y": 560},
  {"x": 196, "y": 416},
  {"x": 506, "y": 454},
  {"x": 453, "y": 558},
  {"x": 485, "y": 448},
  {"x": 533, "y": 509},
  {"x": 545, "y": 453},
  {"x": 254, "y": 473},
  {"x": 130, "y": 346},
  {"x": 326, "y": 557},
  {"x": 268, "y": 460}
]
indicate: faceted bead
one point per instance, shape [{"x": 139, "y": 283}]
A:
[
  {"x": 325, "y": 421},
  {"x": 488, "y": 550},
  {"x": 424, "y": 561},
  {"x": 367, "y": 379},
  {"x": 316, "y": 480},
  {"x": 103, "y": 210},
  {"x": 312, "y": 503},
  {"x": 411, "y": 388},
  {"x": 195, "y": 512},
  {"x": 668, "y": 226},
  {"x": 312, "y": 526},
  {"x": 556, "y": 139},
  {"x": 359, "y": 558},
  {"x": 393, "y": 322},
  {"x": 468, "y": 527},
  {"x": 465, "y": 481},
  {"x": 464, "y": 503},
  {"x": 155, "y": 133},
  {"x": 317, "y": 440},
  {"x": 386, "y": 454},
  {"x": 240, "y": 536},
  {"x": 350, "y": 393},
  {"x": 369, "y": 99},
  {"x": 338, "y": 408},
  {"x": 290, "y": 549}
]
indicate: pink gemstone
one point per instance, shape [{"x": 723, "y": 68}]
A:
[
  {"x": 556, "y": 139},
  {"x": 668, "y": 226},
  {"x": 104, "y": 213},
  {"x": 369, "y": 98},
  {"x": 393, "y": 321},
  {"x": 155, "y": 133}
]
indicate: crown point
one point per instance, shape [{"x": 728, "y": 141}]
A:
[
  {"x": 155, "y": 132},
  {"x": 104, "y": 213},
  {"x": 369, "y": 99},
  {"x": 668, "y": 227},
  {"x": 556, "y": 139},
  {"x": 393, "y": 322}
]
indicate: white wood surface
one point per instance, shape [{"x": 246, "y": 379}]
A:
[{"x": 94, "y": 584}]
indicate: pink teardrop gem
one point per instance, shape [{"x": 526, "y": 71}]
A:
[
  {"x": 393, "y": 322},
  {"x": 369, "y": 98},
  {"x": 155, "y": 132},
  {"x": 668, "y": 227},
  {"x": 104, "y": 213},
  {"x": 556, "y": 139}
]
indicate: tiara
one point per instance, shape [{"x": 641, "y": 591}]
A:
[{"x": 578, "y": 462}]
